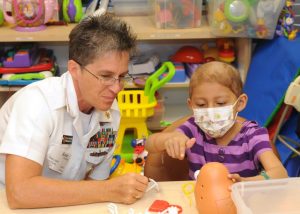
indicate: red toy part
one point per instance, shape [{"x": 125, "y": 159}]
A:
[
  {"x": 162, "y": 205},
  {"x": 188, "y": 54},
  {"x": 34, "y": 68},
  {"x": 159, "y": 206}
]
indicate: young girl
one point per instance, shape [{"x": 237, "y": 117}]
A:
[{"x": 216, "y": 133}]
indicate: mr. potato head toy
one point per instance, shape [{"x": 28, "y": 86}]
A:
[{"x": 212, "y": 191}]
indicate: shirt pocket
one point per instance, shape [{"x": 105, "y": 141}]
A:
[
  {"x": 96, "y": 155},
  {"x": 58, "y": 157}
]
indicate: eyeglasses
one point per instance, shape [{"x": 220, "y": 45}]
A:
[{"x": 108, "y": 80}]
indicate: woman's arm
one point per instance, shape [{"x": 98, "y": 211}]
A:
[{"x": 26, "y": 188}]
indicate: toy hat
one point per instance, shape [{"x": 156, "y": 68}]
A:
[{"x": 188, "y": 54}]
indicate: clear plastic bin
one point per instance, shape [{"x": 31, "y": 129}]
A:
[
  {"x": 278, "y": 196},
  {"x": 131, "y": 7},
  {"x": 244, "y": 18},
  {"x": 176, "y": 13}
]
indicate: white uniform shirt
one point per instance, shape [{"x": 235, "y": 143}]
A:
[{"x": 41, "y": 122}]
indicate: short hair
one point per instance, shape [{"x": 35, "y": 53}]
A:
[
  {"x": 219, "y": 72},
  {"x": 97, "y": 35}
]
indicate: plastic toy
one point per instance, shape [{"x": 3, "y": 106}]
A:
[
  {"x": 45, "y": 62},
  {"x": 226, "y": 52},
  {"x": 29, "y": 15},
  {"x": 28, "y": 76},
  {"x": 140, "y": 66},
  {"x": 162, "y": 206},
  {"x": 72, "y": 10},
  {"x": 188, "y": 54},
  {"x": 120, "y": 167},
  {"x": 244, "y": 18},
  {"x": 177, "y": 13},
  {"x": 139, "y": 152},
  {"x": 212, "y": 192},
  {"x": 23, "y": 56},
  {"x": 237, "y": 10},
  {"x": 136, "y": 105},
  {"x": 103, "y": 4},
  {"x": 1, "y": 17},
  {"x": 292, "y": 96}
]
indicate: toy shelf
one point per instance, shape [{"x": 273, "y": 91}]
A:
[
  {"x": 51, "y": 34},
  {"x": 145, "y": 30},
  {"x": 142, "y": 26}
]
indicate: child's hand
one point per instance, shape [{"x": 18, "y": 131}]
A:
[
  {"x": 176, "y": 145},
  {"x": 236, "y": 178}
]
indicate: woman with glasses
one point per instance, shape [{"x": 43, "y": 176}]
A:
[{"x": 57, "y": 135}]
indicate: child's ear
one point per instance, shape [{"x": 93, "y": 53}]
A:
[{"x": 242, "y": 102}]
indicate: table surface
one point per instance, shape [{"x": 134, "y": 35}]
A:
[{"x": 169, "y": 191}]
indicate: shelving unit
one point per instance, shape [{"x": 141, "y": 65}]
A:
[
  {"x": 145, "y": 30},
  {"x": 146, "y": 33}
]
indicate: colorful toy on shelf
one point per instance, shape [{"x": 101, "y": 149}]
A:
[
  {"x": 177, "y": 13},
  {"x": 1, "y": 17},
  {"x": 28, "y": 76},
  {"x": 72, "y": 10},
  {"x": 226, "y": 51},
  {"x": 285, "y": 26},
  {"x": 212, "y": 192},
  {"x": 137, "y": 105},
  {"x": 244, "y": 18},
  {"x": 19, "y": 57},
  {"x": 29, "y": 15},
  {"x": 188, "y": 54},
  {"x": 44, "y": 58}
]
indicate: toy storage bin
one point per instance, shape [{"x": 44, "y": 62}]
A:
[
  {"x": 131, "y": 7},
  {"x": 278, "y": 196},
  {"x": 244, "y": 18},
  {"x": 176, "y": 13}
]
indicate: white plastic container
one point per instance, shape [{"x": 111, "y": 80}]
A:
[{"x": 278, "y": 196}]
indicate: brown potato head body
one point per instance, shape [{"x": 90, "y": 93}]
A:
[{"x": 212, "y": 192}]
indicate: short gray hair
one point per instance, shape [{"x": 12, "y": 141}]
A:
[{"x": 97, "y": 35}]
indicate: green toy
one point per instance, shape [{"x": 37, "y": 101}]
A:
[
  {"x": 72, "y": 10},
  {"x": 1, "y": 17},
  {"x": 154, "y": 82}
]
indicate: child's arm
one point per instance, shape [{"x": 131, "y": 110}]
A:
[
  {"x": 174, "y": 143},
  {"x": 272, "y": 166}
]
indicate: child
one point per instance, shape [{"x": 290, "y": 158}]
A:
[{"x": 215, "y": 133}]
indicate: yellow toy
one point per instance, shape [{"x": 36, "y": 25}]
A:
[
  {"x": 120, "y": 167},
  {"x": 137, "y": 105}
]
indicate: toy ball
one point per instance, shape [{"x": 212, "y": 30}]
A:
[
  {"x": 212, "y": 192},
  {"x": 188, "y": 54}
]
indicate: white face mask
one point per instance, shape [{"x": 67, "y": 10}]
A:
[{"x": 215, "y": 121}]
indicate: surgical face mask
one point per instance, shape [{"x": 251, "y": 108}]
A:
[{"x": 215, "y": 121}]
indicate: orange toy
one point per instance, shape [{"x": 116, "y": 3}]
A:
[{"x": 212, "y": 190}]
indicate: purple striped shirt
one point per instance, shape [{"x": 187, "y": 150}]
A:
[{"x": 239, "y": 156}]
